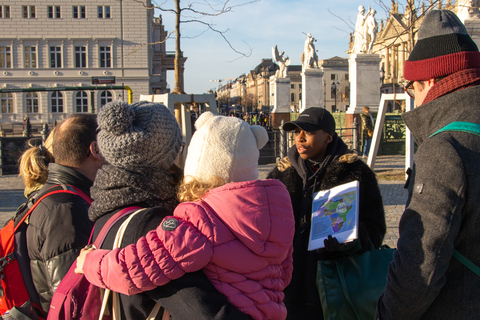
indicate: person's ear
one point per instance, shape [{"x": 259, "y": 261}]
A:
[
  {"x": 95, "y": 150},
  {"x": 329, "y": 138}
]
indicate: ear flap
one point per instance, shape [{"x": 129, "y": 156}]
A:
[
  {"x": 204, "y": 117},
  {"x": 261, "y": 135}
]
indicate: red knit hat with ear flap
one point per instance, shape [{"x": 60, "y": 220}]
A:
[{"x": 443, "y": 47}]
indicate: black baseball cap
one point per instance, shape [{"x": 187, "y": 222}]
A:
[{"x": 313, "y": 119}]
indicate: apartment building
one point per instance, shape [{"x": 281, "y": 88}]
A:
[{"x": 71, "y": 43}]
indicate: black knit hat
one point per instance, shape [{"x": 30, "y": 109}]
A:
[
  {"x": 313, "y": 119},
  {"x": 443, "y": 47}
]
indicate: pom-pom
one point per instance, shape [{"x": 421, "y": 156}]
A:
[
  {"x": 261, "y": 135},
  {"x": 204, "y": 117},
  {"x": 116, "y": 117}
]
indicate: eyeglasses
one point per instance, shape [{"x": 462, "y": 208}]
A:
[{"x": 409, "y": 89}]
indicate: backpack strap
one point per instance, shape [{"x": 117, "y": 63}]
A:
[
  {"x": 70, "y": 189},
  {"x": 473, "y": 128},
  {"x": 114, "y": 219},
  {"x": 467, "y": 263},
  {"x": 461, "y": 126}
]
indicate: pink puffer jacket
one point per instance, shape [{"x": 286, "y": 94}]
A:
[{"x": 240, "y": 234}]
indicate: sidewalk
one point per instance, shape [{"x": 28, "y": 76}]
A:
[{"x": 394, "y": 196}]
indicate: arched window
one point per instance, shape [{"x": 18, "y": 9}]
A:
[
  {"x": 6, "y": 102},
  {"x": 56, "y": 101},
  {"x": 105, "y": 97},
  {"x": 81, "y": 101},
  {"x": 32, "y": 102},
  {"x": 292, "y": 97}
]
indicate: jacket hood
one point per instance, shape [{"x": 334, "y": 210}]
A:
[
  {"x": 434, "y": 115},
  {"x": 259, "y": 213}
]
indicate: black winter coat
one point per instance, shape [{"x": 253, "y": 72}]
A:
[
  {"x": 57, "y": 230},
  {"x": 339, "y": 167}
]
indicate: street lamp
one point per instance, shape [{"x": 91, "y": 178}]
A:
[{"x": 335, "y": 86}]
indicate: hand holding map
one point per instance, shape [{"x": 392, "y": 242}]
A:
[{"x": 335, "y": 214}]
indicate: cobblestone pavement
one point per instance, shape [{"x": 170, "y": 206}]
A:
[{"x": 394, "y": 196}]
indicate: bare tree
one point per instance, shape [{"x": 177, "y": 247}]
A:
[{"x": 193, "y": 14}]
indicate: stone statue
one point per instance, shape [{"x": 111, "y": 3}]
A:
[
  {"x": 360, "y": 36},
  {"x": 309, "y": 56},
  {"x": 282, "y": 61},
  {"x": 372, "y": 29},
  {"x": 467, "y": 9}
]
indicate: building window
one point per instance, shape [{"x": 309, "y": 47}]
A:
[
  {"x": 300, "y": 96},
  {"x": 79, "y": 12},
  {"x": 105, "y": 97},
  {"x": 54, "y": 12},
  {"x": 29, "y": 12},
  {"x": 80, "y": 57},
  {"x": 81, "y": 101},
  {"x": 30, "y": 57},
  {"x": 103, "y": 12},
  {"x": 55, "y": 57},
  {"x": 346, "y": 76},
  {"x": 333, "y": 76},
  {"x": 292, "y": 97},
  {"x": 57, "y": 101},
  {"x": 300, "y": 86},
  {"x": 6, "y": 102},
  {"x": 5, "y": 12},
  {"x": 332, "y": 94},
  {"x": 105, "y": 57},
  {"x": 32, "y": 102},
  {"x": 5, "y": 57},
  {"x": 292, "y": 86}
]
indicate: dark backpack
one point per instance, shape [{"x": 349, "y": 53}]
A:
[
  {"x": 18, "y": 295},
  {"x": 75, "y": 297}
]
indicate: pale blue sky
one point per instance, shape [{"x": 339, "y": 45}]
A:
[{"x": 263, "y": 25}]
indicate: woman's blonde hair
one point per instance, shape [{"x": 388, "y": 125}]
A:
[
  {"x": 192, "y": 189},
  {"x": 34, "y": 162}
]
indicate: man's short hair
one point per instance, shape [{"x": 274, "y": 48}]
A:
[
  {"x": 72, "y": 139},
  {"x": 365, "y": 109}
]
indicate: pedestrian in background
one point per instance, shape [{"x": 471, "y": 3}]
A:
[
  {"x": 320, "y": 160},
  {"x": 367, "y": 124},
  {"x": 440, "y": 224}
]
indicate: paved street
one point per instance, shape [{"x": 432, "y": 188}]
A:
[{"x": 394, "y": 196}]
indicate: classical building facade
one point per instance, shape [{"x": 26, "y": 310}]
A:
[
  {"x": 251, "y": 92},
  {"x": 74, "y": 44}
]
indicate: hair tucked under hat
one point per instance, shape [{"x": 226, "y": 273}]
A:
[
  {"x": 139, "y": 134},
  {"x": 443, "y": 47},
  {"x": 224, "y": 147}
]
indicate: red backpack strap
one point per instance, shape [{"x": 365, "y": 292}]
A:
[
  {"x": 108, "y": 225},
  {"x": 40, "y": 200}
]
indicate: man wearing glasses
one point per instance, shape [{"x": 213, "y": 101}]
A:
[{"x": 439, "y": 229}]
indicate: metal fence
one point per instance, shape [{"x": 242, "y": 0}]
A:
[{"x": 280, "y": 141}]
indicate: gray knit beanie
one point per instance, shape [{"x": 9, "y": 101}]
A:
[{"x": 139, "y": 134}]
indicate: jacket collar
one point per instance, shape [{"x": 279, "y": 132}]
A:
[
  {"x": 462, "y": 105},
  {"x": 59, "y": 174}
]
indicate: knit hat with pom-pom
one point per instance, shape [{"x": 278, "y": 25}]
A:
[
  {"x": 224, "y": 147},
  {"x": 139, "y": 134}
]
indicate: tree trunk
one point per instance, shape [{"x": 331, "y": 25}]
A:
[{"x": 178, "y": 53}]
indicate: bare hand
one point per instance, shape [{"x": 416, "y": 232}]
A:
[{"x": 81, "y": 259}]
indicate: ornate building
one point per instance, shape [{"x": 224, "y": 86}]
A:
[{"x": 58, "y": 45}]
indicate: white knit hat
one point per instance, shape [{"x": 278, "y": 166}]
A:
[{"x": 224, "y": 147}]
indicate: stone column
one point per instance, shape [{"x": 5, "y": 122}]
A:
[
  {"x": 312, "y": 89},
  {"x": 364, "y": 84},
  {"x": 281, "y": 100}
]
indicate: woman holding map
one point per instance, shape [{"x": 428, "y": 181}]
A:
[{"x": 320, "y": 160}]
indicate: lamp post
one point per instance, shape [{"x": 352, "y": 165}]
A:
[
  {"x": 382, "y": 78},
  {"x": 335, "y": 86}
]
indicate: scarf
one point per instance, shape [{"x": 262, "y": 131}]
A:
[
  {"x": 116, "y": 188},
  {"x": 456, "y": 81}
]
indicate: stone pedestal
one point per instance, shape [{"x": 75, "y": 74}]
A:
[
  {"x": 312, "y": 89},
  {"x": 365, "y": 83},
  {"x": 280, "y": 89},
  {"x": 473, "y": 28}
]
